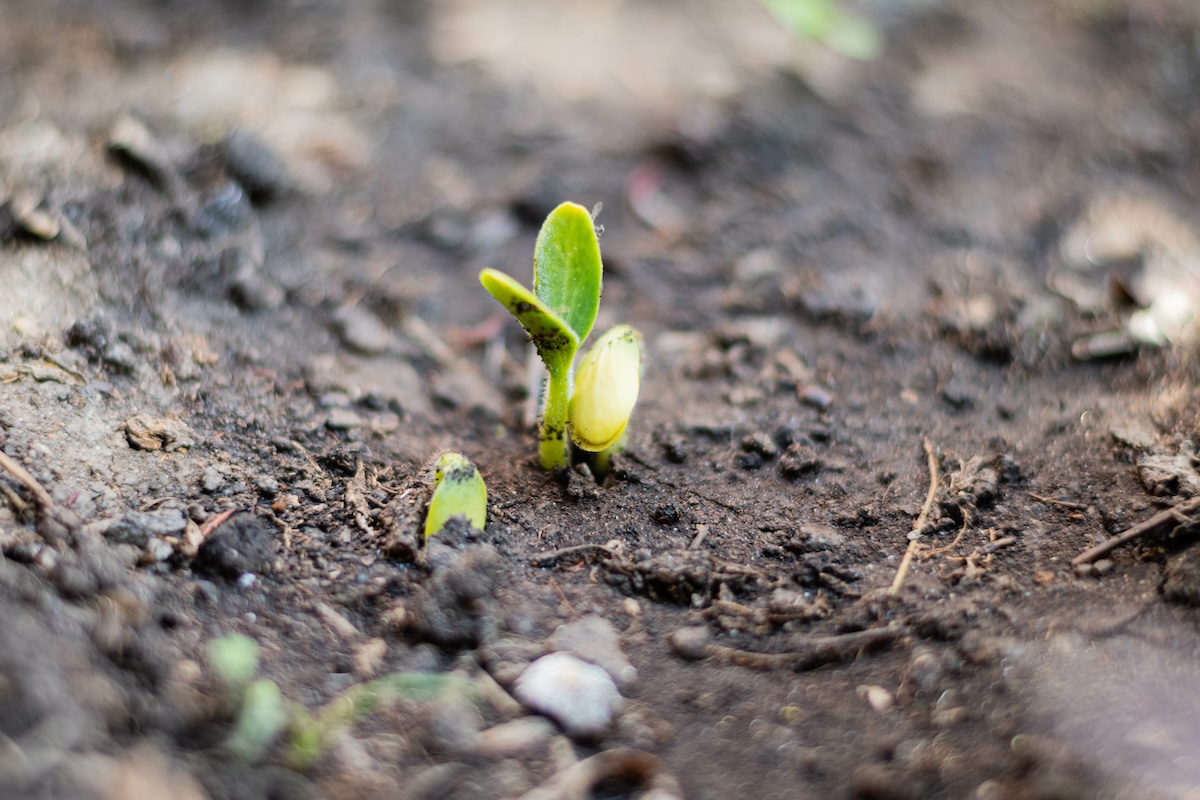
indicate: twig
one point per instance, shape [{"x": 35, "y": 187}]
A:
[
  {"x": 803, "y": 653},
  {"x": 1060, "y": 503},
  {"x": 215, "y": 522},
  {"x": 957, "y": 539},
  {"x": 1176, "y": 513},
  {"x": 915, "y": 533},
  {"x": 992, "y": 547},
  {"x": 23, "y": 477},
  {"x": 56, "y": 523},
  {"x": 579, "y": 552}
]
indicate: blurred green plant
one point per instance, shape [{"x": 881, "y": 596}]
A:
[
  {"x": 829, "y": 22},
  {"x": 262, "y": 713}
]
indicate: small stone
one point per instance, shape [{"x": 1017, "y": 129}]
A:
[
  {"x": 361, "y": 331},
  {"x": 516, "y": 739},
  {"x": 156, "y": 551},
  {"x": 815, "y": 539},
  {"x": 761, "y": 444},
  {"x": 137, "y": 527},
  {"x": 243, "y": 543},
  {"x": 212, "y": 479},
  {"x": 957, "y": 394},
  {"x": 368, "y": 658},
  {"x": 254, "y": 165},
  {"x": 144, "y": 432},
  {"x": 815, "y": 396},
  {"x": 343, "y": 419},
  {"x": 580, "y": 697},
  {"x": 267, "y": 485},
  {"x": 690, "y": 643},
  {"x": 595, "y": 639},
  {"x": 798, "y": 460},
  {"x": 878, "y": 698}
]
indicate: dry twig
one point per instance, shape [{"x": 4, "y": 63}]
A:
[
  {"x": 803, "y": 652},
  {"x": 915, "y": 533},
  {"x": 56, "y": 523},
  {"x": 1176, "y": 513}
]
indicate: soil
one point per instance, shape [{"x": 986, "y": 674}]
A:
[{"x": 241, "y": 314}]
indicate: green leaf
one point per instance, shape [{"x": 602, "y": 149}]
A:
[
  {"x": 235, "y": 658},
  {"x": 263, "y": 715},
  {"x": 458, "y": 491},
  {"x": 826, "y": 21},
  {"x": 309, "y": 735},
  {"x": 567, "y": 272},
  {"x": 554, "y": 339}
]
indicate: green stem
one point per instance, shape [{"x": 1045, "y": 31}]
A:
[
  {"x": 601, "y": 465},
  {"x": 553, "y": 446}
]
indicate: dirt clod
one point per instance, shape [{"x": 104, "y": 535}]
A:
[{"x": 242, "y": 544}]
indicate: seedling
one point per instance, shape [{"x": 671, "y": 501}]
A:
[
  {"x": 310, "y": 734},
  {"x": 260, "y": 707},
  {"x": 263, "y": 714},
  {"x": 458, "y": 491},
  {"x": 558, "y": 315},
  {"x": 830, "y": 22}
]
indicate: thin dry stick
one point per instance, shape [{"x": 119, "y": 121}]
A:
[
  {"x": 25, "y": 479},
  {"x": 961, "y": 532},
  {"x": 1176, "y": 513},
  {"x": 913, "y": 542}
]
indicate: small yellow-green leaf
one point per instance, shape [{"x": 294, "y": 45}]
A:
[
  {"x": 235, "y": 658},
  {"x": 458, "y": 491},
  {"x": 554, "y": 339},
  {"x": 567, "y": 271},
  {"x": 606, "y": 390},
  {"x": 263, "y": 715}
]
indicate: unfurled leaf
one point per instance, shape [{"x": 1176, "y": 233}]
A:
[
  {"x": 263, "y": 715},
  {"x": 553, "y": 337},
  {"x": 606, "y": 390},
  {"x": 567, "y": 271},
  {"x": 458, "y": 491},
  {"x": 235, "y": 658}
]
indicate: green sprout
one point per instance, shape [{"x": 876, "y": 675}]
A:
[
  {"x": 311, "y": 734},
  {"x": 558, "y": 315},
  {"x": 263, "y": 714},
  {"x": 259, "y": 705},
  {"x": 829, "y": 22},
  {"x": 458, "y": 491}
]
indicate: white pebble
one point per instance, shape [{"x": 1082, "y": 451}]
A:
[{"x": 579, "y": 696}]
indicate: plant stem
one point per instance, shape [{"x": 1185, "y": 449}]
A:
[
  {"x": 553, "y": 447},
  {"x": 601, "y": 467}
]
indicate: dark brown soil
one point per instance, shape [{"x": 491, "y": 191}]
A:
[{"x": 238, "y": 256}]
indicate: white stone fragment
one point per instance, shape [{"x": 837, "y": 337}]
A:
[{"x": 579, "y": 696}]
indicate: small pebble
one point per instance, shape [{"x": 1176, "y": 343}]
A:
[
  {"x": 690, "y": 643},
  {"x": 138, "y": 527},
  {"x": 212, "y": 480},
  {"x": 595, "y": 639},
  {"x": 580, "y": 697},
  {"x": 267, "y": 485},
  {"x": 241, "y": 544},
  {"x": 343, "y": 419},
  {"x": 361, "y": 331},
  {"x": 878, "y": 698},
  {"x": 157, "y": 550}
]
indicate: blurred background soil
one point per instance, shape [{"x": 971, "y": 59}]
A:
[{"x": 239, "y": 313}]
